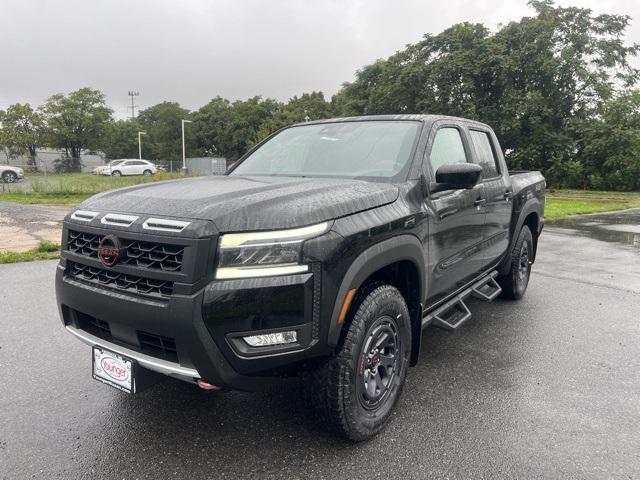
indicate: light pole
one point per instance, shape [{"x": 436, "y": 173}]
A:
[
  {"x": 140, "y": 144},
  {"x": 184, "y": 160}
]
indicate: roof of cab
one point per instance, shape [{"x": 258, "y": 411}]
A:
[{"x": 415, "y": 117}]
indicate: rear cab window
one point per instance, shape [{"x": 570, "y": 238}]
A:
[{"x": 485, "y": 154}]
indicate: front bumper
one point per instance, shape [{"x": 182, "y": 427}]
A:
[
  {"x": 159, "y": 365},
  {"x": 205, "y": 327}
]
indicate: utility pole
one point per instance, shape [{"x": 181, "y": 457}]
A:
[
  {"x": 184, "y": 160},
  {"x": 133, "y": 94},
  {"x": 140, "y": 144}
]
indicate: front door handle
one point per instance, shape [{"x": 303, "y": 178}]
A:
[
  {"x": 480, "y": 202},
  {"x": 508, "y": 195}
]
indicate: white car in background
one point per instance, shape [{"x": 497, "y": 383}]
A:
[
  {"x": 9, "y": 174},
  {"x": 101, "y": 168},
  {"x": 130, "y": 167}
]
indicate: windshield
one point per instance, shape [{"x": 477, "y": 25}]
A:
[{"x": 362, "y": 149}]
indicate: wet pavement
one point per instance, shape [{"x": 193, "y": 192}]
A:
[
  {"x": 22, "y": 227},
  {"x": 548, "y": 387}
]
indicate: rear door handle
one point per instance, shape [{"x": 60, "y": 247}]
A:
[
  {"x": 508, "y": 195},
  {"x": 480, "y": 202}
]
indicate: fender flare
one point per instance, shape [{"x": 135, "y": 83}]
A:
[
  {"x": 531, "y": 206},
  {"x": 386, "y": 252}
]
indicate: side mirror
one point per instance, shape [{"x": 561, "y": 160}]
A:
[{"x": 454, "y": 176}]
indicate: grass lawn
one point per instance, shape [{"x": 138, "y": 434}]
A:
[
  {"x": 70, "y": 188},
  {"x": 562, "y": 203},
  {"x": 73, "y": 188},
  {"x": 44, "y": 251}
]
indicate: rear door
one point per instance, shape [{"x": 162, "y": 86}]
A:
[
  {"x": 456, "y": 217},
  {"x": 497, "y": 191},
  {"x": 126, "y": 167}
]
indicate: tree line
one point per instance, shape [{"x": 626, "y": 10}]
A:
[{"x": 557, "y": 87}]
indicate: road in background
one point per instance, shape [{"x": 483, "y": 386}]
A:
[{"x": 548, "y": 387}]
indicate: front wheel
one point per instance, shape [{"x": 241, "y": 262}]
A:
[
  {"x": 515, "y": 283},
  {"x": 355, "y": 391},
  {"x": 116, "y": 173},
  {"x": 9, "y": 177},
  {"x": 147, "y": 173}
]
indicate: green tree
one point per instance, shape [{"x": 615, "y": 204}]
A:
[
  {"x": 163, "y": 124},
  {"x": 532, "y": 80},
  {"x": 22, "y": 132},
  {"x": 244, "y": 128},
  {"x": 120, "y": 139},
  {"x": 609, "y": 144},
  {"x": 211, "y": 128},
  {"x": 74, "y": 123},
  {"x": 309, "y": 106}
]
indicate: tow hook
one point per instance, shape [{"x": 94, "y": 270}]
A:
[{"x": 206, "y": 385}]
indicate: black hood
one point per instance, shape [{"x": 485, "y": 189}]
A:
[{"x": 237, "y": 203}]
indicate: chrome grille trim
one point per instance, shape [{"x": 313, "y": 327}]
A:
[
  {"x": 164, "y": 225},
  {"x": 118, "y": 219},
  {"x": 84, "y": 215}
]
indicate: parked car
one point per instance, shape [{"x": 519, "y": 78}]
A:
[
  {"x": 10, "y": 174},
  {"x": 322, "y": 253},
  {"x": 101, "y": 168},
  {"x": 131, "y": 167}
]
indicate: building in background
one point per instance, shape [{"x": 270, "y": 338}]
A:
[{"x": 206, "y": 165}]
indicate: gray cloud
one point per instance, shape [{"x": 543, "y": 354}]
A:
[{"x": 191, "y": 51}]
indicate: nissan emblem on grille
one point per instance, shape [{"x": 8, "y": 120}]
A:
[{"x": 109, "y": 251}]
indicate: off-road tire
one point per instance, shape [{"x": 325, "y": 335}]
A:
[
  {"x": 335, "y": 388},
  {"x": 514, "y": 284}
]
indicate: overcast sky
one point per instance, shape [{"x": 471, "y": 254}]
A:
[{"x": 191, "y": 51}]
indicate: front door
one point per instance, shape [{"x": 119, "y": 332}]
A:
[{"x": 456, "y": 218}]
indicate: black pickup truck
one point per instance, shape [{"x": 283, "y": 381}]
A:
[{"x": 322, "y": 253}]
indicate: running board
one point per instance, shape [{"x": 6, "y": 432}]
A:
[
  {"x": 455, "y": 312},
  {"x": 487, "y": 289}
]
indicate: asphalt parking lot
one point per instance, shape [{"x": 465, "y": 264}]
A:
[{"x": 548, "y": 387}]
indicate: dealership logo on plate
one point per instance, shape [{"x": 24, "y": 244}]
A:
[{"x": 114, "y": 368}]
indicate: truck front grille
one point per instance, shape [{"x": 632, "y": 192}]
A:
[
  {"x": 119, "y": 281},
  {"x": 156, "y": 256}
]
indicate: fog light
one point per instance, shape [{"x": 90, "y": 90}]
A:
[{"x": 271, "y": 339}]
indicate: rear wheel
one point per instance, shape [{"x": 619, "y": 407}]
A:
[
  {"x": 355, "y": 391},
  {"x": 515, "y": 283},
  {"x": 9, "y": 177}
]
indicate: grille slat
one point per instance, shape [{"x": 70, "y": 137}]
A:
[
  {"x": 151, "y": 255},
  {"x": 119, "y": 281},
  {"x": 158, "y": 346}
]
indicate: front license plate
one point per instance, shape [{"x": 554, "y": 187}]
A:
[{"x": 113, "y": 369}]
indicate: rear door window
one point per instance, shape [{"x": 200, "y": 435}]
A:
[{"x": 485, "y": 154}]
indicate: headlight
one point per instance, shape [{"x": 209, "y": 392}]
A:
[{"x": 263, "y": 254}]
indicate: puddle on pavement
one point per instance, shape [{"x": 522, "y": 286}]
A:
[{"x": 615, "y": 227}]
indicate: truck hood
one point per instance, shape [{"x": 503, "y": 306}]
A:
[{"x": 235, "y": 203}]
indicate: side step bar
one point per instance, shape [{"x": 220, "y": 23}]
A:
[{"x": 455, "y": 312}]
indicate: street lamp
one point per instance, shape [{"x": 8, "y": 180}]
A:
[
  {"x": 140, "y": 144},
  {"x": 184, "y": 160}
]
